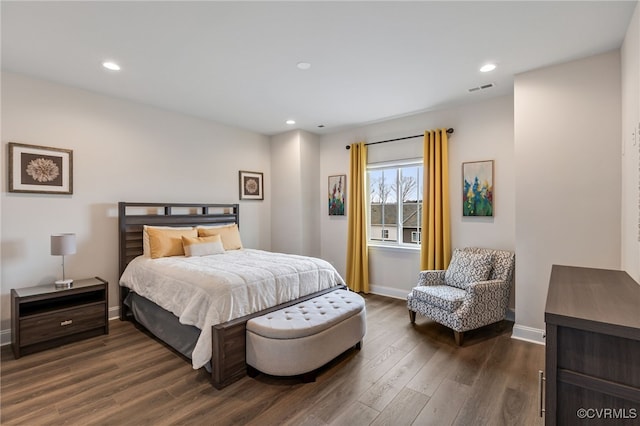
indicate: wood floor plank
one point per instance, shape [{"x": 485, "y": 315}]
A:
[
  {"x": 68, "y": 413},
  {"x": 40, "y": 416},
  {"x": 66, "y": 386},
  {"x": 445, "y": 404},
  {"x": 311, "y": 394},
  {"x": 403, "y": 410},
  {"x": 482, "y": 406},
  {"x": 389, "y": 385},
  {"x": 404, "y": 374},
  {"x": 355, "y": 414},
  {"x": 516, "y": 403},
  {"x": 430, "y": 376},
  {"x": 349, "y": 386}
]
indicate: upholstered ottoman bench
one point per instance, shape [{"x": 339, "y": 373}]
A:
[{"x": 299, "y": 339}]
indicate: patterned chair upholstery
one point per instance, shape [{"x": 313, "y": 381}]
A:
[{"x": 471, "y": 293}]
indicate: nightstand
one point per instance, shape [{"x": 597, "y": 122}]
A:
[{"x": 43, "y": 317}]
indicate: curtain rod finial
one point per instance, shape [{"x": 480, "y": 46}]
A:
[{"x": 348, "y": 147}]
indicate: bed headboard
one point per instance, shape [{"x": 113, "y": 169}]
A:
[{"x": 133, "y": 216}]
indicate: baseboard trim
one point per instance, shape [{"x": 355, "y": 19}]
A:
[
  {"x": 5, "y": 337},
  {"x": 528, "y": 334},
  {"x": 396, "y": 293},
  {"x": 114, "y": 313}
]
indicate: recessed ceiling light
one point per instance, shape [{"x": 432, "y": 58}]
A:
[
  {"x": 111, "y": 66},
  {"x": 291, "y": 122},
  {"x": 303, "y": 65},
  {"x": 488, "y": 67}
]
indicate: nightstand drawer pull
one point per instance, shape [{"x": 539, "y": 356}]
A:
[{"x": 67, "y": 322}]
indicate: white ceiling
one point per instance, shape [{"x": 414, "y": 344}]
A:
[{"x": 235, "y": 62}]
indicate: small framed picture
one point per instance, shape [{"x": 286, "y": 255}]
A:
[
  {"x": 337, "y": 194},
  {"x": 251, "y": 187},
  {"x": 40, "y": 169},
  {"x": 477, "y": 188}
]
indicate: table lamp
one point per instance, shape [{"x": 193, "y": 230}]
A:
[{"x": 62, "y": 245}]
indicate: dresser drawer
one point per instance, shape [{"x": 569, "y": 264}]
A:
[{"x": 61, "y": 323}]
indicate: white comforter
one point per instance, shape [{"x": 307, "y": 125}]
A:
[{"x": 208, "y": 290}]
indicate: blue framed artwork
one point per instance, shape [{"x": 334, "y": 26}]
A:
[{"x": 477, "y": 188}]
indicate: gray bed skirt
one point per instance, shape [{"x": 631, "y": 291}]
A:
[{"x": 164, "y": 325}]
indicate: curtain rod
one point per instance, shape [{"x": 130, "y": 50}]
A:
[{"x": 449, "y": 131}]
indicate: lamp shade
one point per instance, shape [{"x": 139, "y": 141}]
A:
[{"x": 63, "y": 244}]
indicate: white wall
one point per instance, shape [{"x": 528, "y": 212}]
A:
[
  {"x": 311, "y": 189},
  {"x": 122, "y": 151},
  {"x": 568, "y": 175},
  {"x": 630, "y": 60},
  {"x": 286, "y": 224},
  {"x": 483, "y": 131},
  {"x": 295, "y": 185}
]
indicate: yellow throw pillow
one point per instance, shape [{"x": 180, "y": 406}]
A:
[
  {"x": 168, "y": 242},
  {"x": 202, "y": 246},
  {"x": 229, "y": 233},
  {"x": 146, "y": 250}
]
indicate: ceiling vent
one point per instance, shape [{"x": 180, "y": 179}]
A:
[{"x": 483, "y": 87}]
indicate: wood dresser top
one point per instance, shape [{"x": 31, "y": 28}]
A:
[{"x": 592, "y": 299}]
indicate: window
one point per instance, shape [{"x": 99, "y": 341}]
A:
[{"x": 395, "y": 203}]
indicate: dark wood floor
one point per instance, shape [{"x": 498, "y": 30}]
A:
[{"x": 403, "y": 375}]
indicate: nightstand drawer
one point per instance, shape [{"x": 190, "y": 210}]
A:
[{"x": 44, "y": 327}]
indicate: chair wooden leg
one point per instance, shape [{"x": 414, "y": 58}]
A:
[
  {"x": 412, "y": 316},
  {"x": 459, "y": 336}
]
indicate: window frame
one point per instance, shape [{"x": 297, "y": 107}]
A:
[{"x": 396, "y": 165}]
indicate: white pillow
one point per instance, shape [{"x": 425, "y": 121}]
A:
[{"x": 202, "y": 246}]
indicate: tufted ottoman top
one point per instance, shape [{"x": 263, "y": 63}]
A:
[{"x": 308, "y": 318}]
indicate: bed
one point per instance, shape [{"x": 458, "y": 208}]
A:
[{"x": 208, "y": 329}]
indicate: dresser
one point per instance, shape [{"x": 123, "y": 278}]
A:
[{"x": 592, "y": 347}]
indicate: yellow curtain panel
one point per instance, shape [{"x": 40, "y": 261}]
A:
[
  {"x": 357, "y": 251},
  {"x": 435, "y": 251}
]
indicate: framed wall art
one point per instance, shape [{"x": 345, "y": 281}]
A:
[
  {"x": 477, "y": 188},
  {"x": 251, "y": 186},
  {"x": 40, "y": 169},
  {"x": 337, "y": 195}
]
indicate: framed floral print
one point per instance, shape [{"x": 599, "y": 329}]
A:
[
  {"x": 40, "y": 169},
  {"x": 251, "y": 187}
]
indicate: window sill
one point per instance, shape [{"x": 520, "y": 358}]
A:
[{"x": 404, "y": 248}]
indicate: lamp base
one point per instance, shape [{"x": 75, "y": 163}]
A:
[{"x": 63, "y": 283}]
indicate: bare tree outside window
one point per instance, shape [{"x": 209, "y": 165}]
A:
[
  {"x": 408, "y": 185},
  {"x": 395, "y": 200},
  {"x": 381, "y": 189}
]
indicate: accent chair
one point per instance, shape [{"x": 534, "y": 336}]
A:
[{"x": 471, "y": 293}]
